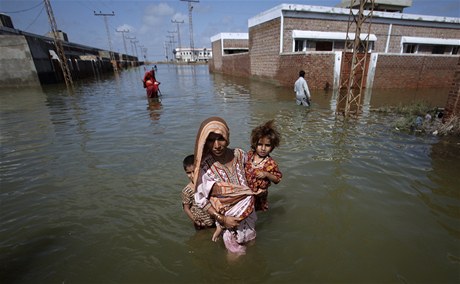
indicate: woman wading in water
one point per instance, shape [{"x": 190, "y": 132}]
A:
[{"x": 221, "y": 186}]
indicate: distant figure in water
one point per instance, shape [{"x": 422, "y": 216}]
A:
[
  {"x": 151, "y": 84},
  {"x": 302, "y": 93}
]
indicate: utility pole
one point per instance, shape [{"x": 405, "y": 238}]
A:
[
  {"x": 143, "y": 52},
  {"x": 171, "y": 42},
  {"x": 112, "y": 58},
  {"x": 135, "y": 48},
  {"x": 190, "y": 23},
  {"x": 178, "y": 35},
  {"x": 166, "y": 51},
  {"x": 171, "y": 36},
  {"x": 355, "y": 60},
  {"x": 59, "y": 47},
  {"x": 132, "y": 48},
  {"x": 124, "y": 41}
]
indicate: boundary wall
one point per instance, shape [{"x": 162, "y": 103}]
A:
[
  {"x": 232, "y": 64},
  {"x": 390, "y": 70},
  {"x": 18, "y": 68},
  {"x": 453, "y": 100},
  {"x": 31, "y": 60}
]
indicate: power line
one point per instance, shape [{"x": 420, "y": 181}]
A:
[
  {"x": 36, "y": 18},
  {"x": 25, "y": 10}
]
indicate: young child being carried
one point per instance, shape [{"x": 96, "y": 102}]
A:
[
  {"x": 200, "y": 218},
  {"x": 260, "y": 169}
]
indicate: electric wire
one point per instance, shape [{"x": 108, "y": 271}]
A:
[
  {"x": 24, "y": 10},
  {"x": 36, "y": 18}
]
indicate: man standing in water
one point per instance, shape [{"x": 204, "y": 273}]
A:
[{"x": 302, "y": 94}]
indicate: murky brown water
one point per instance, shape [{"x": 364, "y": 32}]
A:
[{"x": 90, "y": 187}]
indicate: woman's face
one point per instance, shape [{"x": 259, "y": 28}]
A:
[{"x": 216, "y": 144}]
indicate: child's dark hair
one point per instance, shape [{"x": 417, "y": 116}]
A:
[
  {"x": 266, "y": 130},
  {"x": 188, "y": 161}
]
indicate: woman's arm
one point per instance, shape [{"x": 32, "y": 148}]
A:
[
  {"x": 202, "y": 194},
  {"x": 228, "y": 222}
]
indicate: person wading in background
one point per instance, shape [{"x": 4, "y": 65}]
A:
[{"x": 302, "y": 93}]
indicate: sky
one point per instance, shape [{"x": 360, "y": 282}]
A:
[{"x": 150, "y": 22}]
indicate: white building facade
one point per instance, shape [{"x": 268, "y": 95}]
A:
[{"x": 185, "y": 54}]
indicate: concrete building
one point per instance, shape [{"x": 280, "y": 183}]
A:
[
  {"x": 407, "y": 51},
  {"x": 28, "y": 59},
  {"x": 185, "y": 54}
]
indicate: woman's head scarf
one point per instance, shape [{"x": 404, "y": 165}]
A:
[{"x": 210, "y": 125}]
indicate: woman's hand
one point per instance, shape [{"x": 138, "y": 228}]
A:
[{"x": 231, "y": 222}]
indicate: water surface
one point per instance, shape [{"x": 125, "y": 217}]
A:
[{"x": 91, "y": 182}]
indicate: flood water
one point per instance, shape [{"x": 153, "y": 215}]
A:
[{"x": 91, "y": 183}]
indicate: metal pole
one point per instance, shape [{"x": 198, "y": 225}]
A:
[
  {"x": 135, "y": 48},
  {"x": 132, "y": 49},
  {"x": 124, "y": 41},
  {"x": 59, "y": 47},
  {"x": 112, "y": 58},
  {"x": 190, "y": 22},
  {"x": 178, "y": 36}
]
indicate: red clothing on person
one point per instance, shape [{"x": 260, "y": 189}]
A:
[
  {"x": 254, "y": 183},
  {"x": 152, "y": 88}
]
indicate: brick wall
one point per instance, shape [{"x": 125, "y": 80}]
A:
[
  {"x": 264, "y": 42},
  {"x": 413, "y": 71},
  {"x": 216, "y": 61},
  {"x": 453, "y": 100},
  {"x": 378, "y": 29},
  {"x": 319, "y": 69},
  {"x": 393, "y": 70},
  {"x": 235, "y": 43},
  {"x": 236, "y": 64}
]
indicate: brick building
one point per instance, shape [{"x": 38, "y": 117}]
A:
[
  {"x": 407, "y": 51},
  {"x": 230, "y": 53}
]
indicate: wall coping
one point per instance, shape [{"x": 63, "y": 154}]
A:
[
  {"x": 278, "y": 11},
  {"x": 221, "y": 36}
]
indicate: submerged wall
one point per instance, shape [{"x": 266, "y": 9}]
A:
[
  {"x": 17, "y": 65},
  {"x": 414, "y": 71},
  {"x": 31, "y": 60},
  {"x": 391, "y": 71},
  {"x": 453, "y": 100},
  {"x": 236, "y": 64}
]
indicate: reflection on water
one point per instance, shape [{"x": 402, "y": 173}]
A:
[
  {"x": 91, "y": 181},
  {"x": 154, "y": 108}
]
